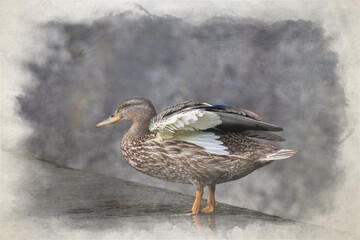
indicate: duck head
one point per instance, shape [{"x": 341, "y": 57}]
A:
[{"x": 137, "y": 110}]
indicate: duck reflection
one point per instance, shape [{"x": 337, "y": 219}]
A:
[{"x": 211, "y": 223}]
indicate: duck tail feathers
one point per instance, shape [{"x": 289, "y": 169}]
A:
[{"x": 280, "y": 154}]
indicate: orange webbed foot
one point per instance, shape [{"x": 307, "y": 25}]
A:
[{"x": 208, "y": 209}]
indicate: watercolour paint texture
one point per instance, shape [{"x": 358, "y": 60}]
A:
[{"x": 294, "y": 64}]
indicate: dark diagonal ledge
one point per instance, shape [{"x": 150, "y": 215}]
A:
[{"x": 84, "y": 200}]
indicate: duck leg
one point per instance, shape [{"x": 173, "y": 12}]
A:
[
  {"x": 196, "y": 206},
  {"x": 211, "y": 200}
]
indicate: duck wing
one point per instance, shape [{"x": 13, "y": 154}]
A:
[
  {"x": 239, "y": 119},
  {"x": 186, "y": 116},
  {"x": 216, "y": 127},
  {"x": 199, "y": 123},
  {"x": 190, "y": 116}
]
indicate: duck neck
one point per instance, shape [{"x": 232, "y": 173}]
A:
[{"x": 137, "y": 130}]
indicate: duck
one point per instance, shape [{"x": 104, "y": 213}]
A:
[{"x": 196, "y": 143}]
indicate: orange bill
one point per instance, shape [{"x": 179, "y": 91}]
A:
[{"x": 113, "y": 118}]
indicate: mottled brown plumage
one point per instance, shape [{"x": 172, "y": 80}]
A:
[{"x": 196, "y": 143}]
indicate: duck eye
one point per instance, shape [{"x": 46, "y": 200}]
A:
[{"x": 112, "y": 116}]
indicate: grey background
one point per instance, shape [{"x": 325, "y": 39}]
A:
[{"x": 281, "y": 70}]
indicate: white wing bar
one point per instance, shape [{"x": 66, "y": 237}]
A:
[{"x": 188, "y": 120}]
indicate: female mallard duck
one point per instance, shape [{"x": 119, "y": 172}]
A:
[{"x": 196, "y": 143}]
